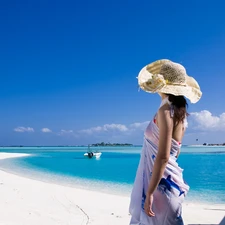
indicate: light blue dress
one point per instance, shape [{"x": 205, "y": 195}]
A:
[{"x": 171, "y": 190}]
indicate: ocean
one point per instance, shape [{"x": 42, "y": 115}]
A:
[{"x": 115, "y": 171}]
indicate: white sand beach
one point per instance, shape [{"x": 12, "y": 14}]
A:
[{"x": 29, "y": 202}]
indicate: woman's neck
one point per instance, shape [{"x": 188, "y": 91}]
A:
[
  {"x": 163, "y": 96},
  {"x": 164, "y": 100}
]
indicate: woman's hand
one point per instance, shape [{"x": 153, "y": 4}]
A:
[{"x": 148, "y": 205}]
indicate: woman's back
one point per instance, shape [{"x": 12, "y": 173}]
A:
[
  {"x": 179, "y": 127},
  {"x": 172, "y": 177}
]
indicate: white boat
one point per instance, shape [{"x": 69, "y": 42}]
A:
[{"x": 93, "y": 154}]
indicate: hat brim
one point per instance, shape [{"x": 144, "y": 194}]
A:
[
  {"x": 191, "y": 93},
  {"x": 191, "y": 90}
]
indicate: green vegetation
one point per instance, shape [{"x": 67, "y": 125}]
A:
[
  {"x": 111, "y": 144},
  {"x": 214, "y": 144}
]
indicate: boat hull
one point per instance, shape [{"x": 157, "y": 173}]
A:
[{"x": 93, "y": 154}]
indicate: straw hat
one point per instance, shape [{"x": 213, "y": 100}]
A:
[{"x": 169, "y": 77}]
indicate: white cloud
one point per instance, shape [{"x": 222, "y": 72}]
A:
[
  {"x": 23, "y": 129},
  {"x": 201, "y": 125},
  {"x": 65, "y": 132},
  {"x": 46, "y": 130},
  {"x": 139, "y": 126},
  {"x": 105, "y": 128},
  {"x": 120, "y": 128},
  {"x": 204, "y": 120}
]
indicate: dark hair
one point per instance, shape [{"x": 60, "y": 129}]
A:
[{"x": 180, "y": 107}]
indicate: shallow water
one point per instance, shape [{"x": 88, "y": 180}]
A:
[{"x": 115, "y": 171}]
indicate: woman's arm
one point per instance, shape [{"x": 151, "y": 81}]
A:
[{"x": 165, "y": 123}]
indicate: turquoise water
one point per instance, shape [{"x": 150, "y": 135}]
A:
[{"x": 115, "y": 171}]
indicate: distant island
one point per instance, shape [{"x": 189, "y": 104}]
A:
[
  {"x": 111, "y": 144},
  {"x": 206, "y": 144}
]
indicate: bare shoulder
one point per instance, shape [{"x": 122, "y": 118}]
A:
[
  {"x": 165, "y": 124},
  {"x": 164, "y": 114}
]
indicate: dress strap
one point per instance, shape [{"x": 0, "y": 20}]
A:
[
  {"x": 166, "y": 101},
  {"x": 171, "y": 110}
]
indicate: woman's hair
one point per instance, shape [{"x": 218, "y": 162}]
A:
[{"x": 180, "y": 107}]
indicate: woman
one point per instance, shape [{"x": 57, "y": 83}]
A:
[{"x": 159, "y": 188}]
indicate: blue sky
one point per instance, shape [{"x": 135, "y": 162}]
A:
[{"x": 68, "y": 68}]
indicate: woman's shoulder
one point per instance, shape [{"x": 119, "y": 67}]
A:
[
  {"x": 164, "y": 111},
  {"x": 164, "y": 115}
]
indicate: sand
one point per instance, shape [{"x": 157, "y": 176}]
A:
[{"x": 26, "y": 201}]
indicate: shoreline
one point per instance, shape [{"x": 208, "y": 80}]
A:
[{"x": 33, "y": 202}]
